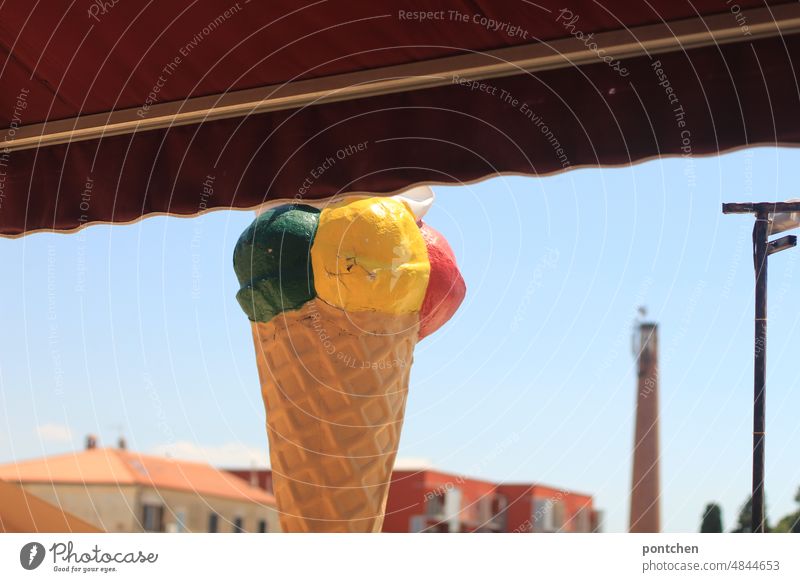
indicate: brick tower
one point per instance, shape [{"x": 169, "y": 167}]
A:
[{"x": 645, "y": 487}]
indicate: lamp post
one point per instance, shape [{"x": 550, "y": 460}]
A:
[{"x": 771, "y": 218}]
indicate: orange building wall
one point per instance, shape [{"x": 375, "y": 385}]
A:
[
  {"x": 485, "y": 506},
  {"x": 410, "y": 492},
  {"x": 521, "y": 510}
]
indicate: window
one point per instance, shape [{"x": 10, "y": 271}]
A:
[
  {"x": 152, "y": 517},
  {"x": 541, "y": 510},
  {"x": 417, "y": 523},
  {"x": 558, "y": 514},
  {"x": 582, "y": 521},
  {"x": 484, "y": 509},
  {"x": 452, "y": 502},
  {"x": 435, "y": 505},
  {"x": 238, "y": 525},
  {"x": 180, "y": 520},
  {"x": 548, "y": 514},
  {"x": 262, "y": 526},
  {"x": 499, "y": 506},
  {"x": 213, "y": 523}
]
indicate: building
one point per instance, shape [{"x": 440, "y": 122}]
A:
[
  {"x": 117, "y": 490},
  {"x": 433, "y": 501},
  {"x": 21, "y": 512},
  {"x": 534, "y": 508}
]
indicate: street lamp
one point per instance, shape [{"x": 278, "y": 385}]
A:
[{"x": 771, "y": 218}]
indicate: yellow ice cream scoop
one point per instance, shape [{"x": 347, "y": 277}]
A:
[{"x": 369, "y": 255}]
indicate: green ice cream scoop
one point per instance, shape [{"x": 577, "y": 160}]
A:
[{"x": 272, "y": 261}]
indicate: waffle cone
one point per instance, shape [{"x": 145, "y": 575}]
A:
[{"x": 334, "y": 385}]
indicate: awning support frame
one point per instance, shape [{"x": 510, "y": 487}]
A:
[{"x": 683, "y": 35}]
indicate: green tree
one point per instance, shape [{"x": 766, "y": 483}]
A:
[
  {"x": 746, "y": 516},
  {"x": 790, "y": 523},
  {"x": 712, "y": 519}
]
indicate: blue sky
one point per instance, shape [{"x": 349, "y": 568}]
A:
[{"x": 135, "y": 329}]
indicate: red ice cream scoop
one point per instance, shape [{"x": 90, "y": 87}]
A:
[{"x": 446, "y": 288}]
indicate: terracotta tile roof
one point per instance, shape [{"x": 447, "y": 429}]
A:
[
  {"x": 21, "y": 512},
  {"x": 122, "y": 467}
]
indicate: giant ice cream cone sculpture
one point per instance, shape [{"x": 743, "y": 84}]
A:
[{"x": 338, "y": 299}]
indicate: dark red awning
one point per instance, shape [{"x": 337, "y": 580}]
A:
[{"x": 66, "y": 60}]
